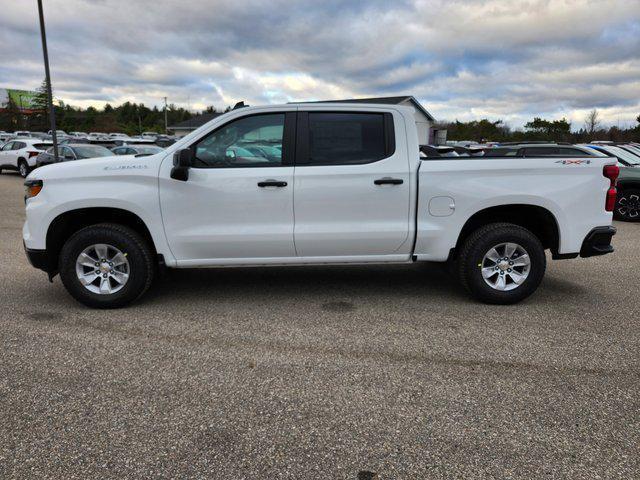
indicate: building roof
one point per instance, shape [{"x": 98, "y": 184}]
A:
[
  {"x": 386, "y": 101},
  {"x": 195, "y": 122}
]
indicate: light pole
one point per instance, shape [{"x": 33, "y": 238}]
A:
[
  {"x": 47, "y": 74},
  {"x": 166, "y": 131}
]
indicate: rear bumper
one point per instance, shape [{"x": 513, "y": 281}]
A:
[{"x": 598, "y": 242}]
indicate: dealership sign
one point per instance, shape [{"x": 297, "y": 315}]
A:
[{"x": 21, "y": 99}]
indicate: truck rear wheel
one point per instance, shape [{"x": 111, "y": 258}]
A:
[
  {"x": 501, "y": 263},
  {"x": 106, "y": 265}
]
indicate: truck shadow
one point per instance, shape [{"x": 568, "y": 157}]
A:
[{"x": 427, "y": 280}]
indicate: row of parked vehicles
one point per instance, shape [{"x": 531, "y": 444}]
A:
[
  {"x": 26, "y": 153},
  {"x": 95, "y": 136},
  {"x": 627, "y": 155}
]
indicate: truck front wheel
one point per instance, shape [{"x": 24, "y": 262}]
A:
[
  {"x": 106, "y": 265},
  {"x": 501, "y": 263}
]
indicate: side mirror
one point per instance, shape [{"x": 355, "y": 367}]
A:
[{"x": 182, "y": 160}]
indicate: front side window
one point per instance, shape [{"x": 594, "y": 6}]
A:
[
  {"x": 8, "y": 146},
  {"x": 346, "y": 138},
  {"x": 254, "y": 141}
]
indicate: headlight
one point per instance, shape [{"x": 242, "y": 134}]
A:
[{"x": 33, "y": 188}]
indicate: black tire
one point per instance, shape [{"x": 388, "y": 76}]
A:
[
  {"x": 23, "y": 168},
  {"x": 139, "y": 256},
  {"x": 628, "y": 205},
  {"x": 472, "y": 253}
]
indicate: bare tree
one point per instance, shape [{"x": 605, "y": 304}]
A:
[{"x": 592, "y": 121}]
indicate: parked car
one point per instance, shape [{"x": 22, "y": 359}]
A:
[
  {"x": 348, "y": 188},
  {"x": 140, "y": 150},
  {"x": 20, "y": 154},
  {"x": 437, "y": 151},
  {"x": 625, "y": 158},
  {"x": 59, "y": 133},
  {"x": 542, "y": 149},
  {"x": 628, "y": 199},
  {"x": 630, "y": 148},
  {"x": 118, "y": 141},
  {"x": 150, "y": 134},
  {"x": 22, "y": 133},
  {"x": 98, "y": 136},
  {"x": 165, "y": 140},
  {"x": 5, "y": 137},
  {"x": 72, "y": 151}
]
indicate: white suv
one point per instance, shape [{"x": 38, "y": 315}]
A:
[{"x": 20, "y": 154}]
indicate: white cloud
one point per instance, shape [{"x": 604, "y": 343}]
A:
[{"x": 463, "y": 58}]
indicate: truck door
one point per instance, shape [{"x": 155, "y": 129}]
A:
[
  {"x": 352, "y": 189},
  {"x": 237, "y": 204}
]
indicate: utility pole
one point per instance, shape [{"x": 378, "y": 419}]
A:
[
  {"x": 21, "y": 111},
  {"x": 47, "y": 74},
  {"x": 166, "y": 130}
]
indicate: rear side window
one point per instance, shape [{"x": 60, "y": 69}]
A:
[
  {"x": 348, "y": 138},
  {"x": 19, "y": 145}
]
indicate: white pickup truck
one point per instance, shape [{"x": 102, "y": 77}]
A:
[{"x": 303, "y": 184}]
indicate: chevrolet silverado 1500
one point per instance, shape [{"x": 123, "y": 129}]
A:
[{"x": 304, "y": 184}]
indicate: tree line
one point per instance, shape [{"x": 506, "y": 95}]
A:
[
  {"x": 135, "y": 118},
  {"x": 541, "y": 129}
]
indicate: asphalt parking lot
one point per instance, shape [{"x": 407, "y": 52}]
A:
[{"x": 323, "y": 372}]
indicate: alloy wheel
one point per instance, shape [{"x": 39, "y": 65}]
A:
[
  {"x": 102, "y": 269},
  {"x": 506, "y": 266}
]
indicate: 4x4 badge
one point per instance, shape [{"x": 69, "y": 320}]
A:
[{"x": 574, "y": 162}]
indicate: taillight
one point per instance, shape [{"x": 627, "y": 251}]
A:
[
  {"x": 611, "y": 172},
  {"x": 33, "y": 154}
]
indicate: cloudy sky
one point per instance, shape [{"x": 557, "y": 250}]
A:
[{"x": 464, "y": 59}]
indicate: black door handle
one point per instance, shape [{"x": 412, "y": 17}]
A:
[
  {"x": 388, "y": 181},
  {"x": 272, "y": 183}
]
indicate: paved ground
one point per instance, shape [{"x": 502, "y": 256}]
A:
[{"x": 320, "y": 373}]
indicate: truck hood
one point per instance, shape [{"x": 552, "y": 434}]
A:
[{"x": 99, "y": 167}]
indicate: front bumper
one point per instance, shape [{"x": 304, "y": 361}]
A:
[
  {"x": 598, "y": 242},
  {"x": 41, "y": 260}
]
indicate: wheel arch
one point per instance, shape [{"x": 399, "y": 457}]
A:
[
  {"x": 539, "y": 220},
  {"x": 67, "y": 223}
]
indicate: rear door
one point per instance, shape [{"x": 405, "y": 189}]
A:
[{"x": 352, "y": 188}]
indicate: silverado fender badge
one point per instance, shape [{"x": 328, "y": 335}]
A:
[
  {"x": 574, "y": 162},
  {"x": 126, "y": 167}
]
